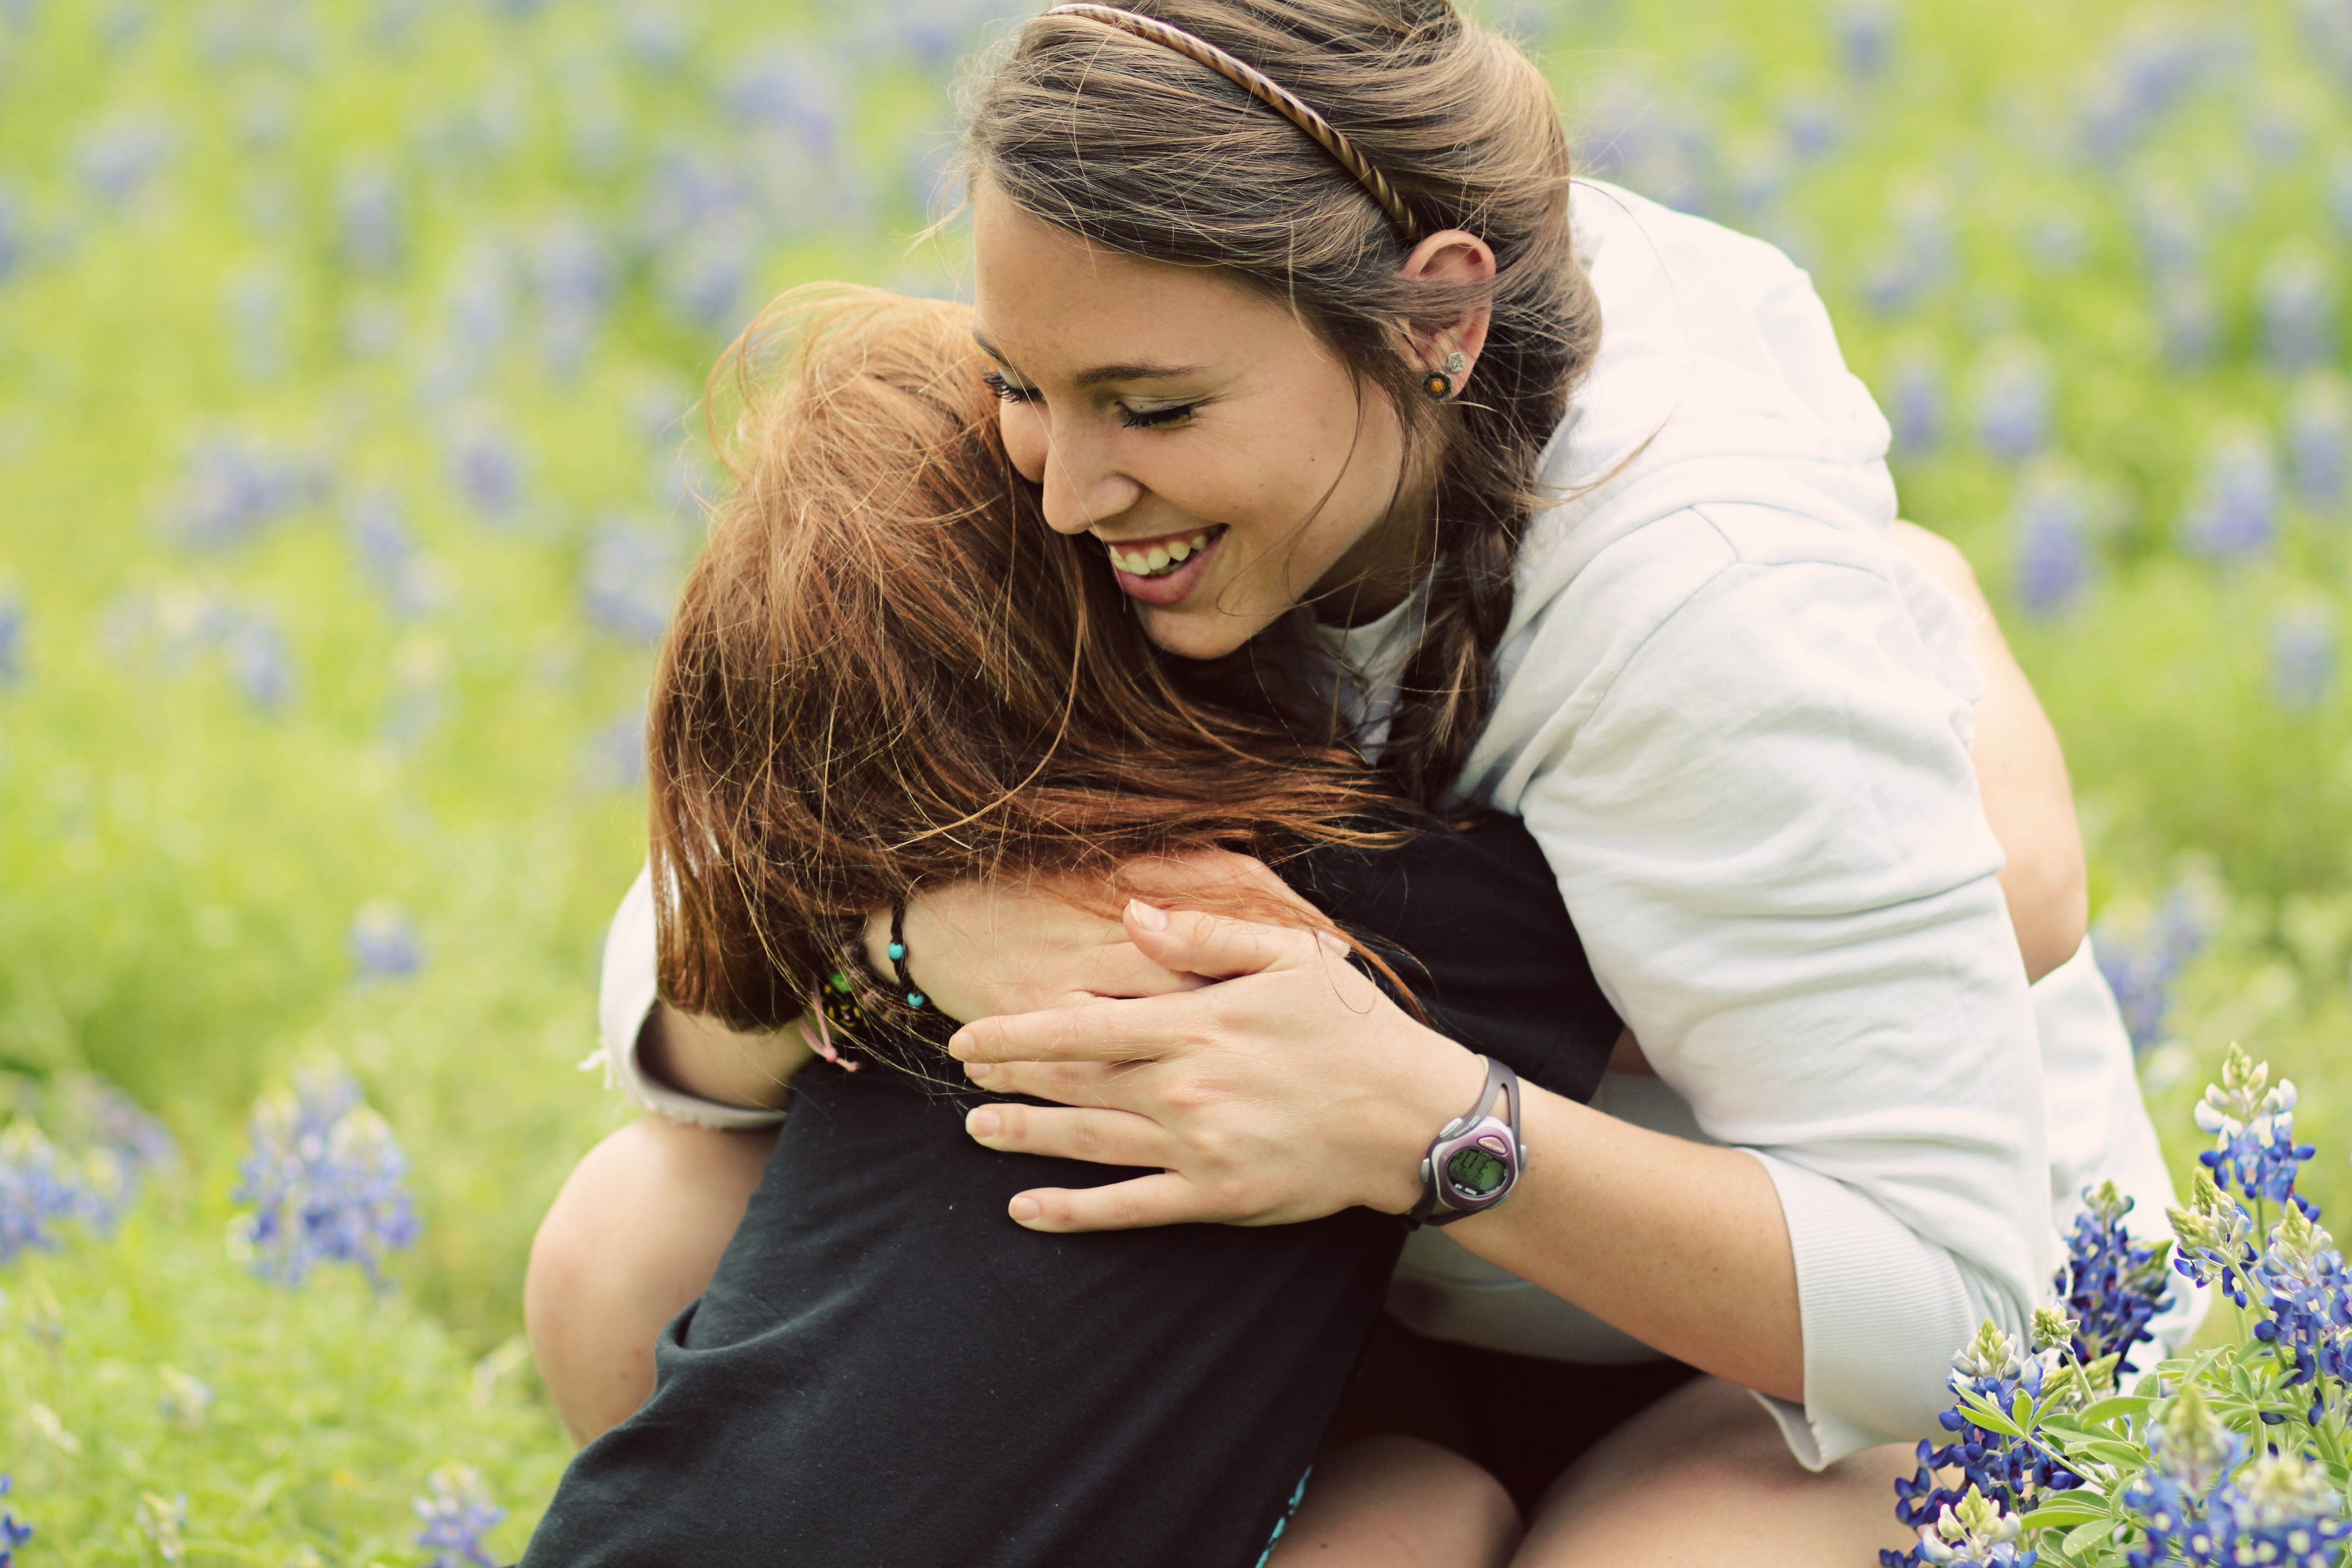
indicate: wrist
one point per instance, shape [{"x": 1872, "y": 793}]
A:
[{"x": 1437, "y": 1080}]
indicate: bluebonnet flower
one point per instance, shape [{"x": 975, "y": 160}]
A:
[
  {"x": 2297, "y": 297},
  {"x": 2189, "y": 322},
  {"x": 259, "y": 664},
  {"x": 2166, "y": 216},
  {"x": 384, "y": 941},
  {"x": 1998, "y": 1469},
  {"x": 614, "y": 755},
  {"x": 1866, "y": 37},
  {"x": 165, "y": 1520},
  {"x": 1972, "y": 1532},
  {"x": 655, "y": 33},
  {"x": 12, "y": 235},
  {"x": 2232, "y": 510},
  {"x": 186, "y": 1399},
  {"x": 2319, "y": 438},
  {"x": 38, "y": 1189},
  {"x": 13, "y": 1531},
  {"x": 2254, "y": 1151},
  {"x": 2302, "y": 656},
  {"x": 1812, "y": 125},
  {"x": 232, "y": 486},
  {"x": 2328, "y": 29},
  {"x": 2013, "y": 400},
  {"x": 780, "y": 88},
  {"x": 2281, "y": 1510},
  {"x": 2111, "y": 1286},
  {"x": 457, "y": 1515},
  {"x": 487, "y": 467},
  {"x": 373, "y": 234},
  {"x": 325, "y": 1182},
  {"x": 12, "y": 637},
  {"x": 2051, "y": 520},
  {"x": 626, "y": 579},
  {"x": 118, "y": 1144},
  {"x": 574, "y": 278},
  {"x": 2191, "y": 1451},
  {"x": 2142, "y": 965},
  {"x": 257, "y": 317},
  {"x": 2302, "y": 1282},
  {"x": 2216, "y": 1239},
  {"x": 704, "y": 274},
  {"x": 480, "y": 299},
  {"x": 378, "y": 527},
  {"x": 1920, "y": 256},
  {"x": 2138, "y": 82},
  {"x": 595, "y": 121},
  {"x": 117, "y": 157}
]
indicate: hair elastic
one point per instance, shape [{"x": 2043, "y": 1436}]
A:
[
  {"x": 898, "y": 951},
  {"x": 1266, "y": 90}
]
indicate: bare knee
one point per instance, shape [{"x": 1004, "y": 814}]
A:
[
  {"x": 632, "y": 1237},
  {"x": 1400, "y": 1503}
]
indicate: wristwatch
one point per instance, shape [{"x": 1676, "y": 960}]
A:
[{"x": 1476, "y": 1157}]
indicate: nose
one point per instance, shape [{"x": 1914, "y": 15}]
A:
[{"x": 1082, "y": 482}]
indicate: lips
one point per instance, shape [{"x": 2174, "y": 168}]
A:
[{"x": 1163, "y": 570}]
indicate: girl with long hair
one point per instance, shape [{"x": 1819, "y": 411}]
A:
[{"x": 1569, "y": 506}]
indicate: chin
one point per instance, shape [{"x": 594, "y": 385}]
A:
[{"x": 1193, "y": 634}]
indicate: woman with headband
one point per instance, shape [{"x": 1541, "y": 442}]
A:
[{"x": 1572, "y": 505}]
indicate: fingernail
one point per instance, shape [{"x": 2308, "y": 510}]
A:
[
  {"x": 979, "y": 1072},
  {"x": 1024, "y": 1209},
  {"x": 958, "y": 1046},
  {"x": 1333, "y": 943},
  {"x": 985, "y": 1122},
  {"x": 1147, "y": 916}
]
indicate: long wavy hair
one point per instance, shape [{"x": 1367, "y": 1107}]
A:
[
  {"x": 1143, "y": 151},
  {"x": 885, "y": 671}
]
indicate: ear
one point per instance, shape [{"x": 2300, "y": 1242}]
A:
[{"x": 1456, "y": 257}]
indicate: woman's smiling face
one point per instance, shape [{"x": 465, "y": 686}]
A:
[{"x": 1223, "y": 454}]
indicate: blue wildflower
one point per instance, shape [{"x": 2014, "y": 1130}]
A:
[
  {"x": 782, "y": 90},
  {"x": 1915, "y": 402},
  {"x": 614, "y": 755},
  {"x": 1812, "y": 125},
  {"x": 13, "y": 1532},
  {"x": 2112, "y": 1286},
  {"x": 233, "y": 486},
  {"x": 2254, "y": 1151},
  {"x": 372, "y": 231},
  {"x": 2189, "y": 321},
  {"x": 118, "y": 1145},
  {"x": 1972, "y": 1531},
  {"x": 2014, "y": 399},
  {"x": 119, "y": 156},
  {"x": 12, "y": 637},
  {"x": 703, "y": 275},
  {"x": 257, "y": 316},
  {"x": 2216, "y": 1239},
  {"x": 626, "y": 579},
  {"x": 2141, "y": 967},
  {"x": 2050, "y": 520},
  {"x": 39, "y": 1188},
  {"x": 2328, "y": 29},
  {"x": 487, "y": 467},
  {"x": 13, "y": 242},
  {"x": 2301, "y": 1281},
  {"x": 655, "y": 33},
  {"x": 1866, "y": 37},
  {"x": 2232, "y": 511},
  {"x": 2138, "y": 82},
  {"x": 479, "y": 301},
  {"x": 574, "y": 278},
  {"x": 2319, "y": 439},
  {"x": 457, "y": 1515},
  {"x": 2281, "y": 1509},
  {"x": 2191, "y": 1451},
  {"x": 325, "y": 1180},
  {"x": 2297, "y": 297},
  {"x": 378, "y": 527},
  {"x": 2302, "y": 656},
  {"x": 1918, "y": 258},
  {"x": 384, "y": 941},
  {"x": 259, "y": 664},
  {"x": 165, "y": 1520},
  {"x": 1999, "y": 1470}
]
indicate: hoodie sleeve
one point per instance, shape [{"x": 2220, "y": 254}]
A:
[{"x": 1768, "y": 831}]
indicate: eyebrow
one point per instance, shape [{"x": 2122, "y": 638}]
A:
[{"x": 1140, "y": 370}]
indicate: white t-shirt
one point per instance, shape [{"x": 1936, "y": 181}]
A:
[{"x": 1736, "y": 722}]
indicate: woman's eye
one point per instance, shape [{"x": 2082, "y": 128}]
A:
[
  {"x": 1145, "y": 420},
  {"x": 1005, "y": 390}
]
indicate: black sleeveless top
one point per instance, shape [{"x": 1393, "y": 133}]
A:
[{"x": 888, "y": 1373}]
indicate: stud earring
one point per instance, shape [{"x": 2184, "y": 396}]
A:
[{"x": 1438, "y": 384}]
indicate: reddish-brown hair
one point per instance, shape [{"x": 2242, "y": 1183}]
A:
[{"x": 886, "y": 670}]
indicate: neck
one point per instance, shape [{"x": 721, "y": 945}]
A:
[{"x": 1385, "y": 565}]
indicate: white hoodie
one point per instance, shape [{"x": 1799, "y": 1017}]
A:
[{"x": 1747, "y": 761}]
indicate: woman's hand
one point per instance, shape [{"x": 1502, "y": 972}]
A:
[{"x": 1290, "y": 1089}]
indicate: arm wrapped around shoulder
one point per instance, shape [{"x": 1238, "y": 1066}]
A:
[{"x": 1767, "y": 826}]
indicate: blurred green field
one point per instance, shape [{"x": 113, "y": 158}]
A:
[{"x": 347, "y": 356}]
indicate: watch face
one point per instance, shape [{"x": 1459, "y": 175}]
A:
[{"x": 1478, "y": 1169}]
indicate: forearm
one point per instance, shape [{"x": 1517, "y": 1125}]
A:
[
  {"x": 707, "y": 1059},
  {"x": 1681, "y": 1244}
]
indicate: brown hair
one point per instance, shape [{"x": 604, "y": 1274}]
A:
[
  {"x": 886, "y": 670},
  {"x": 1141, "y": 150}
]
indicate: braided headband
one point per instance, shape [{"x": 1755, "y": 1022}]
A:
[{"x": 1266, "y": 90}]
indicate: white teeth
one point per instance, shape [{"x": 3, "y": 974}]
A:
[
  {"x": 1178, "y": 551},
  {"x": 1159, "y": 557}
]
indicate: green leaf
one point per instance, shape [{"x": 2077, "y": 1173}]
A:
[
  {"x": 2084, "y": 1537},
  {"x": 2123, "y": 1456},
  {"x": 1989, "y": 1416},
  {"x": 2113, "y": 1405},
  {"x": 2065, "y": 1510}
]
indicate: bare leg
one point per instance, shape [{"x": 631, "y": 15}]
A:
[
  {"x": 632, "y": 1237},
  {"x": 1703, "y": 1477},
  {"x": 1398, "y": 1502}
]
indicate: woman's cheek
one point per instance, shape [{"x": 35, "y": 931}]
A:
[{"x": 1023, "y": 426}]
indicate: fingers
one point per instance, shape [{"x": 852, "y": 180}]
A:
[
  {"x": 1213, "y": 945},
  {"x": 1113, "y": 1031},
  {"x": 1099, "y": 1137},
  {"x": 1115, "y": 1085},
  {"x": 1120, "y": 969},
  {"x": 1162, "y": 1199}
]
